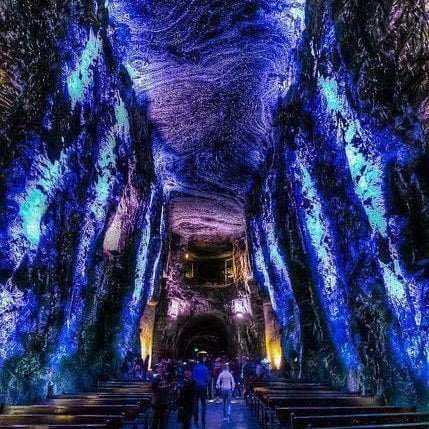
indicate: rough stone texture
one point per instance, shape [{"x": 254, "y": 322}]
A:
[
  {"x": 207, "y": 218},
  {"x": 69, "y": 154},
  {"x": 303, "y": 123},
  {"x": 189, "y": 313},
  {"x": 210, "y": 72}
]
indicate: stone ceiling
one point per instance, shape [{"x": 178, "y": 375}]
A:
[
  {"x": 207, "y": 219},
  {"x": 210, "y": 73}
]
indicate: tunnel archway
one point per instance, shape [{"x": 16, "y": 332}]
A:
[{"x": 206, "y": 333}]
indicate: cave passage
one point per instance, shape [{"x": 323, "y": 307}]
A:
[
  {"x": 247, "y": 177},
  {"x": 204, "y": 334},
  {"x": 207, "y": 301}
]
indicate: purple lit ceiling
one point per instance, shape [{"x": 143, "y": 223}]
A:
[
  {"x": 207, "y": 218},
  {"x": 211, "y": 73}
]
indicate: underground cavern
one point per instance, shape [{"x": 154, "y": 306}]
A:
[{"x": 215, "y": 178}]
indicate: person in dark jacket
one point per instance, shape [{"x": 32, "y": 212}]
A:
[
  {"x": 186, "y": 400},
  {"x": 160, "y": 399}
]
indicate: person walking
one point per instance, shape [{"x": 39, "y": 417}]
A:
[
  {"x": 226, "y": 383},
  {"x": 185, "y": 401},
  {"x": 160, "y": 399},
  {"x": 216, "y": 370},
  {"x": 235, "y": 371},
  {"x": 201, "y": 377}
]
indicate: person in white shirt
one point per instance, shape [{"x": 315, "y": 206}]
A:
[{"x": 226, "y": 383}]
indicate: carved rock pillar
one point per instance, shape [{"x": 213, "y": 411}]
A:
[
  {"x": 147, "y": 323},
  {"x": 272, "y": 337}
]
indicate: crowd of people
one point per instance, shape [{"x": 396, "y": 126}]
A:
[
  {"x": 188, "y": 385},
  {"x": 134, "y": 367}
]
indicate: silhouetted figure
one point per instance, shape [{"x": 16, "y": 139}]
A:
[
  {"x": 236, "y": 373},
  {"x": 209, "y": 364},
  {"x": 138, "y": 367},
  {"x": 146, "y": 367},
  {"x": 160, "y": 399},
  {"x": 201, "y": 377},
  {"x": 217, "y": 369},
  {"x": 185, "y": 401},
  {"x": 246, "y": 374}
]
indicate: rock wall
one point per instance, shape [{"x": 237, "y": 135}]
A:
[
  {"x": 79, "y": 205},
  {"x": 346, "y": 195}
]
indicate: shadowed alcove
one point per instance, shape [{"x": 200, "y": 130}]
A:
[{"x": 207, "y": 333}]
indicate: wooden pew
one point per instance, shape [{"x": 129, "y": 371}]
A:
[
  {"x": 139, "y": 402},
  {"x": 111, "y": 390},
  {"x": 423, "y": 425},
  {"x": 296, "y": 388},
  {"x": 319, "y": 406},
  {"x": 259, "y": 394},
  {"x": 275, "y": 385},
  {"x": 143, "y": 402},
  {"x": 121, "y": 389},
  {"x": 132, "y": 400},
  {"x": 314, "y": 400},
  {"x": 284, "y": 414},
  {"x": 263, "y": 390},
  {"x": 52, "y": 419},
  {"x": 101, "y": 395},
  {"x": 352, "y": 420},
  {"x": 322, "y": 401},
  {"x": 266, "y": 409},
  {"x": 120, "y": 402},
  {"x": 56, "y": 426},
  {"x": 123, "y": 383},
  {"x": 127, "y": 411}
]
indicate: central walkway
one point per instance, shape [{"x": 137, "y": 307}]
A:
[{"x": 241, "y": 417}]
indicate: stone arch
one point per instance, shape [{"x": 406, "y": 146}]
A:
[{"x": 209, "y": 332}]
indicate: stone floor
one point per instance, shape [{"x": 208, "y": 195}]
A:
[{"x": 241, "y": 417}]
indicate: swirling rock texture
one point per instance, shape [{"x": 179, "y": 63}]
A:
[{"x": 300, "y": 124}]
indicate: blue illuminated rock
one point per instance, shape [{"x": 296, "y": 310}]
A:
[{"x": 300, "y": 126}]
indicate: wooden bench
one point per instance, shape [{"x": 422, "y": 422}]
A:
[
  {"x": 102, "y": 395},
  {"x": 139, "y": 402},
  {"x": 277, "y": 386},
  {"x": 258, "y": 389},
  {"x": 128, "y": 411},
  {"x": 392, "y": 426},
  {"x": 125, "y": 385},
  {"x": 322, "y": 401},
  {"x": 313, "y": 405},
  {"x": 140, "y": 384},
  {"x": 122, "y": 390},
  {"x": 56, "y": 426},
  {"x": 314, "y": 400},
  {"x": 292, "y": 388},
  {"x": 304, "y": 422},
  {"x": 261, "y": 395},
  {"x": 265, "y": 410},
  {"x": 143, "y": 401},
  {"x": 297, "y": 388},
  {"x": 284, "y": 415},
  {"x": 52, "y": 419},
  {"x": 120, "y": 401}
]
